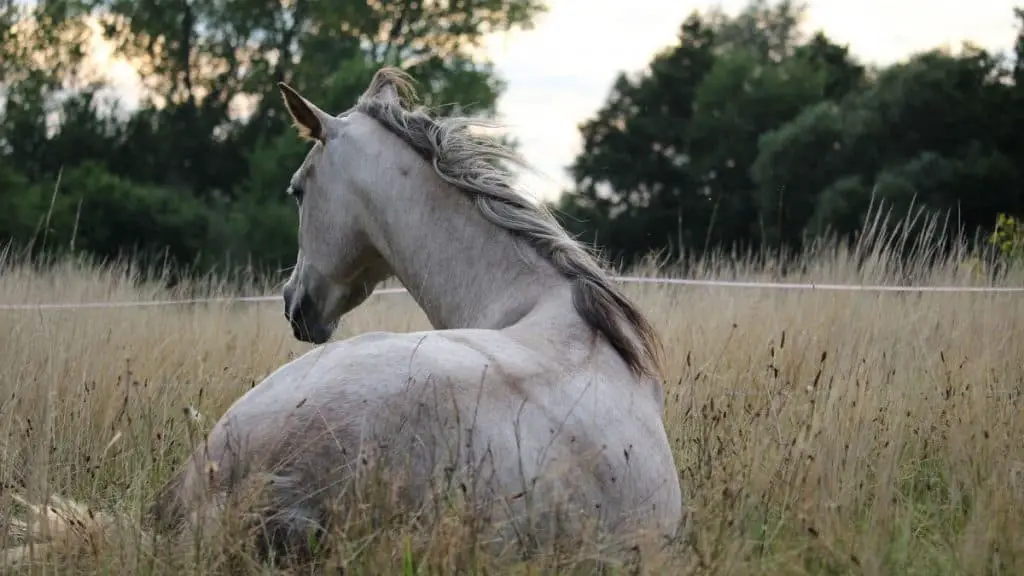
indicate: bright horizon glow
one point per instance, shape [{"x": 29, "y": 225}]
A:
[{"x": 559, "y": 73}]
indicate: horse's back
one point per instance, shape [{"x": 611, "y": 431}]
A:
[{"x": 473, "y": 407}]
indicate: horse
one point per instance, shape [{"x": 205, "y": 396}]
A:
[{"x": 538, "y": 390}]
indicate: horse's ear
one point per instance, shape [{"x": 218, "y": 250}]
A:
[{"x": 306, "y": 117}]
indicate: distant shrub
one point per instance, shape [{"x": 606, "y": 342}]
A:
[{"x": 1008, "y": 237}]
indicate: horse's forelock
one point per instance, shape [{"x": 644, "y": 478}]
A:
[{"x": 393, "y": 84}]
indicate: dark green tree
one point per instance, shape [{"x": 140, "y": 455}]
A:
[
  {"x": 666, "y": 161},
  {"x": 209, "y": 149},
  {"x": 746, "y": 135},
  {"x": 925, "y": 133}
]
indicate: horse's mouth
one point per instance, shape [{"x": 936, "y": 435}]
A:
[{"x": 315, "y": 334}]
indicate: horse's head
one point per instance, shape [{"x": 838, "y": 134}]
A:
[{"x": 337, "y": 267}]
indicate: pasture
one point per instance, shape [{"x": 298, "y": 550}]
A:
[{"x": 815, "y": 432}]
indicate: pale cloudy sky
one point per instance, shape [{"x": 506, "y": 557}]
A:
[{"x": 559, "y": 73}]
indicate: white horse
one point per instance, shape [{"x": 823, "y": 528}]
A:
[{"x": 538, "y": 394}]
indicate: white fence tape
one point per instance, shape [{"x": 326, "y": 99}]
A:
[{"x": 625, "y": 279}]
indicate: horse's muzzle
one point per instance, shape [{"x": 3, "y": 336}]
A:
[{"x": 304, "y": 318}]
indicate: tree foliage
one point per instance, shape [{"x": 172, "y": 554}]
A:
[
  {"x": 747, "y": 134},
  {"x": 195, "y": 173}
]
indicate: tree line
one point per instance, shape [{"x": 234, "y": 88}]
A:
[
  {"x": 747, "y": 133},
  {"x": 750, "y": 135}
]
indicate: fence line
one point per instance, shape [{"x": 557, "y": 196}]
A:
[{"x": 624, "y": 279}]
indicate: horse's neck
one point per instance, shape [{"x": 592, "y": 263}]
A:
[{"x": 462, "y": 270}]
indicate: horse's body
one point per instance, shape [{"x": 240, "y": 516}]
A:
[{"x": 538, "y": 391}]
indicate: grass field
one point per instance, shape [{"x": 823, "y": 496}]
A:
[{"x": 816, "y": 432}]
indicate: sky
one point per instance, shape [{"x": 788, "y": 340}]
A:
[{"x": 559, "y": 73}]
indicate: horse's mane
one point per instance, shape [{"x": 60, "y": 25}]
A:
[{"x": 472, "y": 164}]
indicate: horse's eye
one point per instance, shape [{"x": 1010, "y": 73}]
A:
[{"x": 296, "y": 192}]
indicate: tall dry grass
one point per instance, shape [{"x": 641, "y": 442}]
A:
[{"x": 816, "y": 432}]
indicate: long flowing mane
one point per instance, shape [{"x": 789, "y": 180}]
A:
[{"x": 472, "y": 164}]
